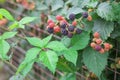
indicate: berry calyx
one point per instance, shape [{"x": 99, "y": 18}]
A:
[
  {"x": 89, "y": 18},
  {"x": 71, "y": 28},
  {"x": 78, "y": 31},
  {"x": 56, "y": 29},
  {"x": 98, "y": 41},
  {"x": 90, "y": 10},
  {"x": 59, "y": 17},
  {"x": 85, "y": 14},
  {"x": 96, "y": 35},
  {"x": 74, "y": 23},
  {"x": 72, "y": 16}
]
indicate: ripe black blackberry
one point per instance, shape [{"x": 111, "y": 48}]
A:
[
  {"x": 71, "y": 28},
  {"x": 85, "y": 14},
  {"x": 78, "y": 31},
  {"x": 50, "y": 30},
  {"x": 72, "y": 16},
  {"x": 64, "y": 32},
  {"x": 63, "y": 25}
]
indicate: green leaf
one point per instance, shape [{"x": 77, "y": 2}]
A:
[
  {"x": 66, "y": 41},
  {"x": 46, "y": 40},
  {"x": 56, "y": 4},
  {"x": 70, "y": 76},
  {"x": 26, "y": 65},
  {"x": 62, "y": 65},
  {"x": 7, "y": 35},
  {"x": 14, "y": 25},
  {"x": 41, "y": 6},
  {"x": 24, "y": 68},
  {"x": 105, "y": 11},
  {"x": 49, "y": 59},
  {"x": 35, "y": 41},
  {"x": 79, "y": 42},
  {"x": 56, "y": 46},
  {"x": 6, "y": 14},
  {"x": 71, "y": 56},
  {"x": 31, "y": 54},
  {"x": 103, "y": 27},
  {"x": 4, "y": 48},
  {"x": 95, "y": 61},
  {"x": 26, "y": 20}
]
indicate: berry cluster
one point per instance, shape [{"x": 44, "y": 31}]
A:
[
  {"x": 3, "y": 21},
  {"x": 99, "y": 45},
  {"x": 63, "y": 27}
]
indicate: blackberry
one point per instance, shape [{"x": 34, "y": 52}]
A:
[
  {"x": 85, "y": 14},
  {"x": 64, "y": 32},
  {"x": 63, "y": 25},
  {"x": 78, "y": 31},
  {"x": 71, "y": 28},
  {"x": 98, "y": 47},
  {"x": 70, "y": 35},
  {"x": 72, "y": 16},
  {"x": 50, "y": 30}
]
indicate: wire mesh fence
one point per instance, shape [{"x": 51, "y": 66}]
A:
[{"x": 39, "y": 72}]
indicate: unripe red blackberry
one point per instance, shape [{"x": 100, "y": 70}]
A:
[
  {"x": 72, "y": 16},
  {"x": 59, "y": 17},
  {"x": 56, "y": 29},
  {"x": 71, "y": 28},
  {"x": 78, "y": 31},
  {"x": 85, "y": 14},
  {"x": 49, "y": 21},
  {"x": 98, "y": 47},
  {"x": 51, "y": 25},
  {"x": 64, "y": 31},
  {"x": 74, "y": 23},
  {"x": 50, "y": 30},
  {"x": 70, "y": 35}
]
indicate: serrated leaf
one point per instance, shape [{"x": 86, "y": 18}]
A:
[
  {"x": 103, "y": 27},
  {"x": 79, "y": 42},
  {"x": 4, "y": 48},
  {"x": 41, "y": 6},
  {"x": 7, "y": 35},
  {"x": 29, "y": 60},
  {"x": 46, "y": 40},
  {"x": 6, "y": 14},
  {"x": 49, "y": 59},
  {"x": 26, "y": 20},
  {"x": 105, "y": 11},
  {"x": 66, "y": 41},
  {"x": 95, "y": 61},
  {"x": 31, "y": 54},
  {"x": 56, "y": 46},
  {"x": 35, "y": 41},
  {"x": 56, "y": 4},
  {"x": 24, "y": 68},
  {"x": 71, "y": 56}
]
